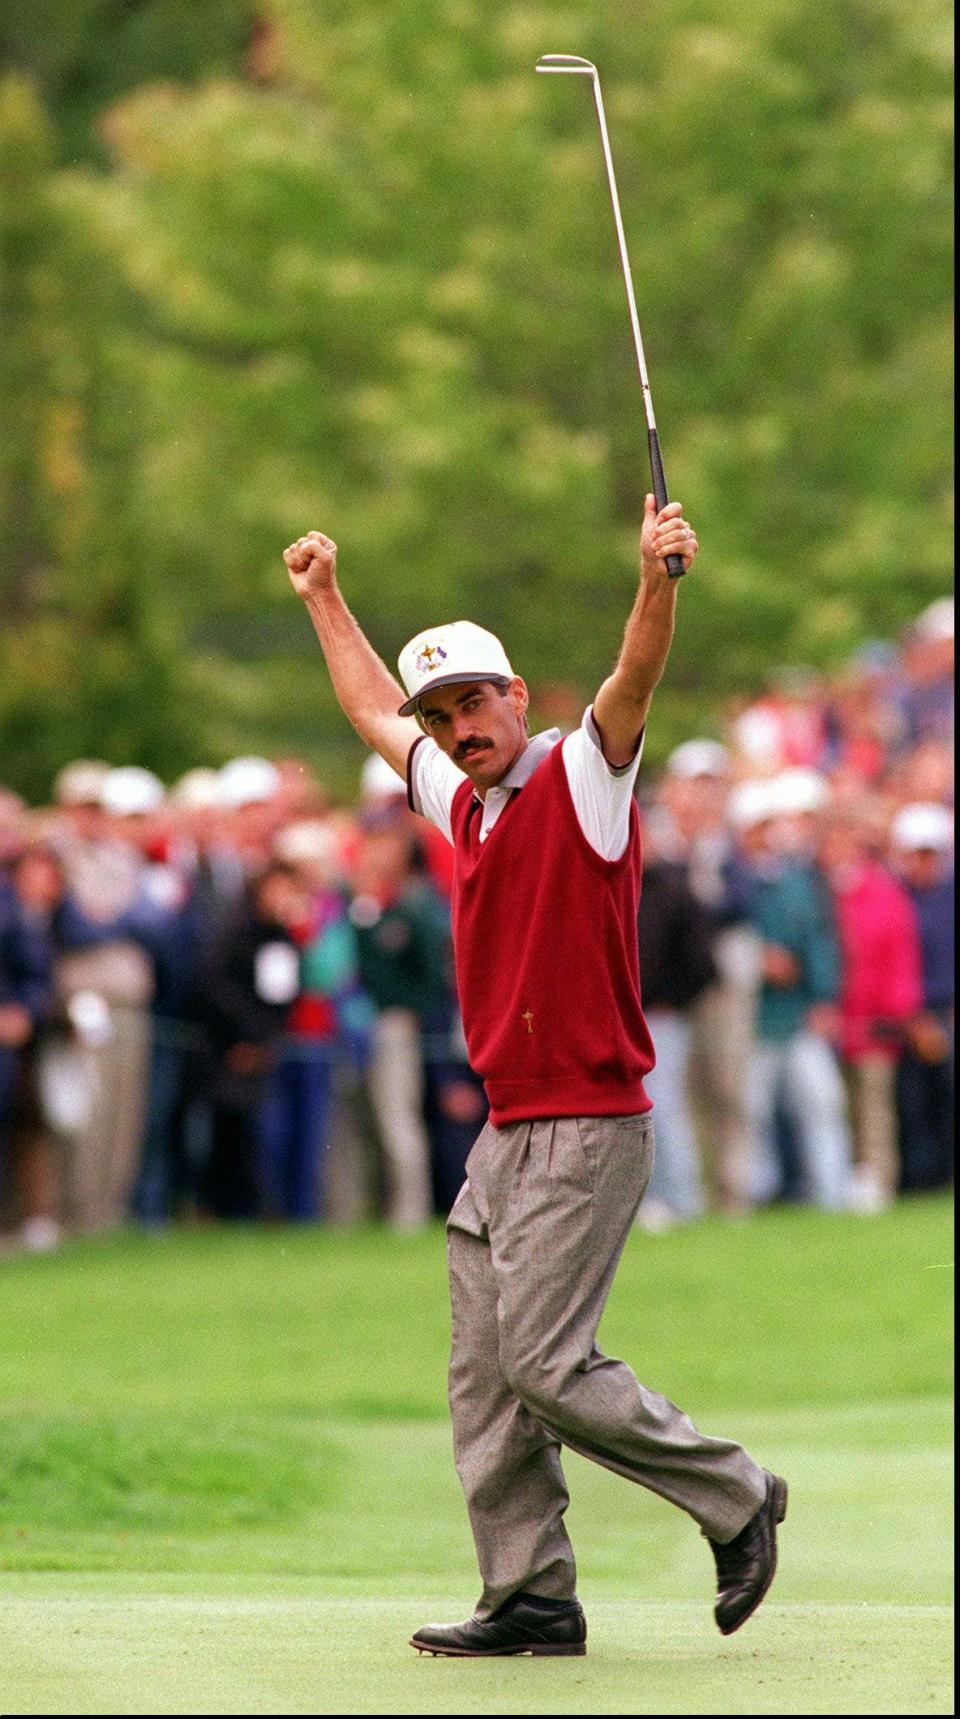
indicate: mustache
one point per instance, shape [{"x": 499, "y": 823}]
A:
[{"x": 469, "y": 749}]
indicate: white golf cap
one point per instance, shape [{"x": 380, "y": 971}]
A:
[
  {"x": 799, "y": 790},
  {"x": 131, "y": 790},
  {"x": 248, "y": 782},
  {"x": 924, "y": 825},
  {"x": 81, "y": 783},
  {"x": 699, "y": 758},
  {"x": 752, "y": 803},
  {"x": 198, "y": 790},
  {"x": 936, "y": 622},
  {"x": 379, "y": 780},
  {"x": 450, "y": 656},
  {"x": 309, "y": 842}
]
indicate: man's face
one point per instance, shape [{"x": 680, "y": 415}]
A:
[
  {"x": 921, "y": 867},
  {"x": 480, "y": 726}
]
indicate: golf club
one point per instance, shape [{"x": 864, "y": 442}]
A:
[{"x": 586, "y": 68}]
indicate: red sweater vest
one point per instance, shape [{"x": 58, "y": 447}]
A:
[{"x": 548, "y": 970}]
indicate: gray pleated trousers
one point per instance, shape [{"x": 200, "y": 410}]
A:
[{"x": 533, "y": 1243}]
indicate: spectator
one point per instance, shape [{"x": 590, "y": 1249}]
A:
[
  {"x": 104, "y": 981},
  {"x": 402, "y": 937},
  {"x": 921, "y": 840},
  {"x": 329, "y": 1018},
  {"x": 677, "y": 964},
  {"x": 694, "y": 793},
  {"x": 792, "y": 1062},
  {"x": 250, "y": 977},
  {"x": 39, "y": 885},
  {"x": 926, "y": 699},
  {"x": 880, "y": 993},
  {"x": 251, "y": 801},
  {"x": 25, "y": 986},
  {"x": 786, "y": 725}
]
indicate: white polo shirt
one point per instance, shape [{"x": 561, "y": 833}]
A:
[{"x": 601, "y": 792}]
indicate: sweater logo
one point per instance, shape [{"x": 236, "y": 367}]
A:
[
  {"x": 528, "y": 1017},
  {"x": 429, "y": 658}
]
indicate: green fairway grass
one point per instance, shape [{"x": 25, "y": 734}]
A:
[{"x": 226, "y": 1481}]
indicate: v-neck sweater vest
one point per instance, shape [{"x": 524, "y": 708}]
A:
[{"x": 548, "y": 969}]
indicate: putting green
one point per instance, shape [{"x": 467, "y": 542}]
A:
[
  {"x": 315, "y": 1652},
  {"x": 226, "y": 1482}
]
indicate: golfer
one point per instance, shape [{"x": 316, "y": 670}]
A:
[{"x": 546, "y": 838}]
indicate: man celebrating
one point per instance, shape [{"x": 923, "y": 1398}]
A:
[{"x": 546, "y": 839}]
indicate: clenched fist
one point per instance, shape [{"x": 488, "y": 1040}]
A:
[{"x": 312, "y": 564}]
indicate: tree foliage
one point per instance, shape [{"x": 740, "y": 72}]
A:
[{"x": 358, "y": 271}]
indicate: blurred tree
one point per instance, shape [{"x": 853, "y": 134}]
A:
[
  {"x": 88, "y": 662},
  {"x": 372, "y": 286},
  {"x": 84, "y": 54}
]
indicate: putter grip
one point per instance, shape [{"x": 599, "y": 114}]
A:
[{"x": 675, "y": 566}]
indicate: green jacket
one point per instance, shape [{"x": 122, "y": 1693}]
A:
[
  {"x": 790, "y": 905},
  {"x": 404, "y": 955}
]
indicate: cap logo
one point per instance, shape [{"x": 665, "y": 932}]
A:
[{"x": 429, "y": 658}]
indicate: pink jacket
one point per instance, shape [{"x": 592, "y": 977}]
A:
[{"x": 880, "y": 948}]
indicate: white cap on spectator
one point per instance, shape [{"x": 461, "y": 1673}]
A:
[
  {"x": 799, "y": 790},
  {"x": 198, "y": 789},
  {"x": 81, "y": 783},
  {"x": 130, "y": 790},
  {"x": 752, "y": 803},
  {"x": 309, "y": 842},
  {"x": 699, "y": 758},
  {"x": 936, "y": 622},
  {"x": 379, "y": 780},
  {"x": 923, "y": 826},
  {"x": 248, "y": 782}
]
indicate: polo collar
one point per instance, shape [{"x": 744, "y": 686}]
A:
[{"x": 529, "y": 760}]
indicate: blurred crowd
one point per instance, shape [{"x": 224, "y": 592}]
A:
[{"x": 234, "y": 999}]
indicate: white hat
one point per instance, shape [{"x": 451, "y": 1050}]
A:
[
  {"x": 310, "y": 842},
  {"x": 699, "y": 758},
  {"x": 379, "y": 780},
  {"x": 752, "y": 803},
  {"x": 450, "y": 656},
  {"x": 248, "y": 782},
  {"x": 198, "y": 789},
  {"x": 130, "y": 790},
  {"x": 799, "y": 790},
  {"x": 923, "y": 825},
  {"x": 81, "y": 783},
  {"x": 936, "y": 621}
]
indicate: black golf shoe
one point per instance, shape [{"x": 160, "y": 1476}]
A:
[
  {"x": 746, "y": 1564},
  {"x": 524, "y": 1624}
]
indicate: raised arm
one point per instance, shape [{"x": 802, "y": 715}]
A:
[
  {"x": 620, "y": 707},
  {"x": 368, "y": 693}
]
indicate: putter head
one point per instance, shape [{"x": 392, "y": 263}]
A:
[{"x": 566, "y": 63}]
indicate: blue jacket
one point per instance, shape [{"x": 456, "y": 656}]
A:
[
  {"x": 26, "y": 957},
  {"x": 935, "y": 913}
]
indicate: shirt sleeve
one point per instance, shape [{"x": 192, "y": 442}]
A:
[
  {"x": 432, "y": 782},
  {"x": 601, "y": 792}
]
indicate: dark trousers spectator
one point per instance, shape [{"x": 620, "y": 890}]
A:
[
  {"x": 163, "y": 1176},
  {"x": 228, "y": 1183},
  {"x": 293, "y": 1129},
  {"x": 925, "y": 1113},
  {"x": 8, "y": 1071}
]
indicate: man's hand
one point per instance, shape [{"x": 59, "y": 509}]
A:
[
  {"x": 246, "y": 1059},
  {"x": 665, "y": 533},
  {"x": 312, "y": 564}
]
